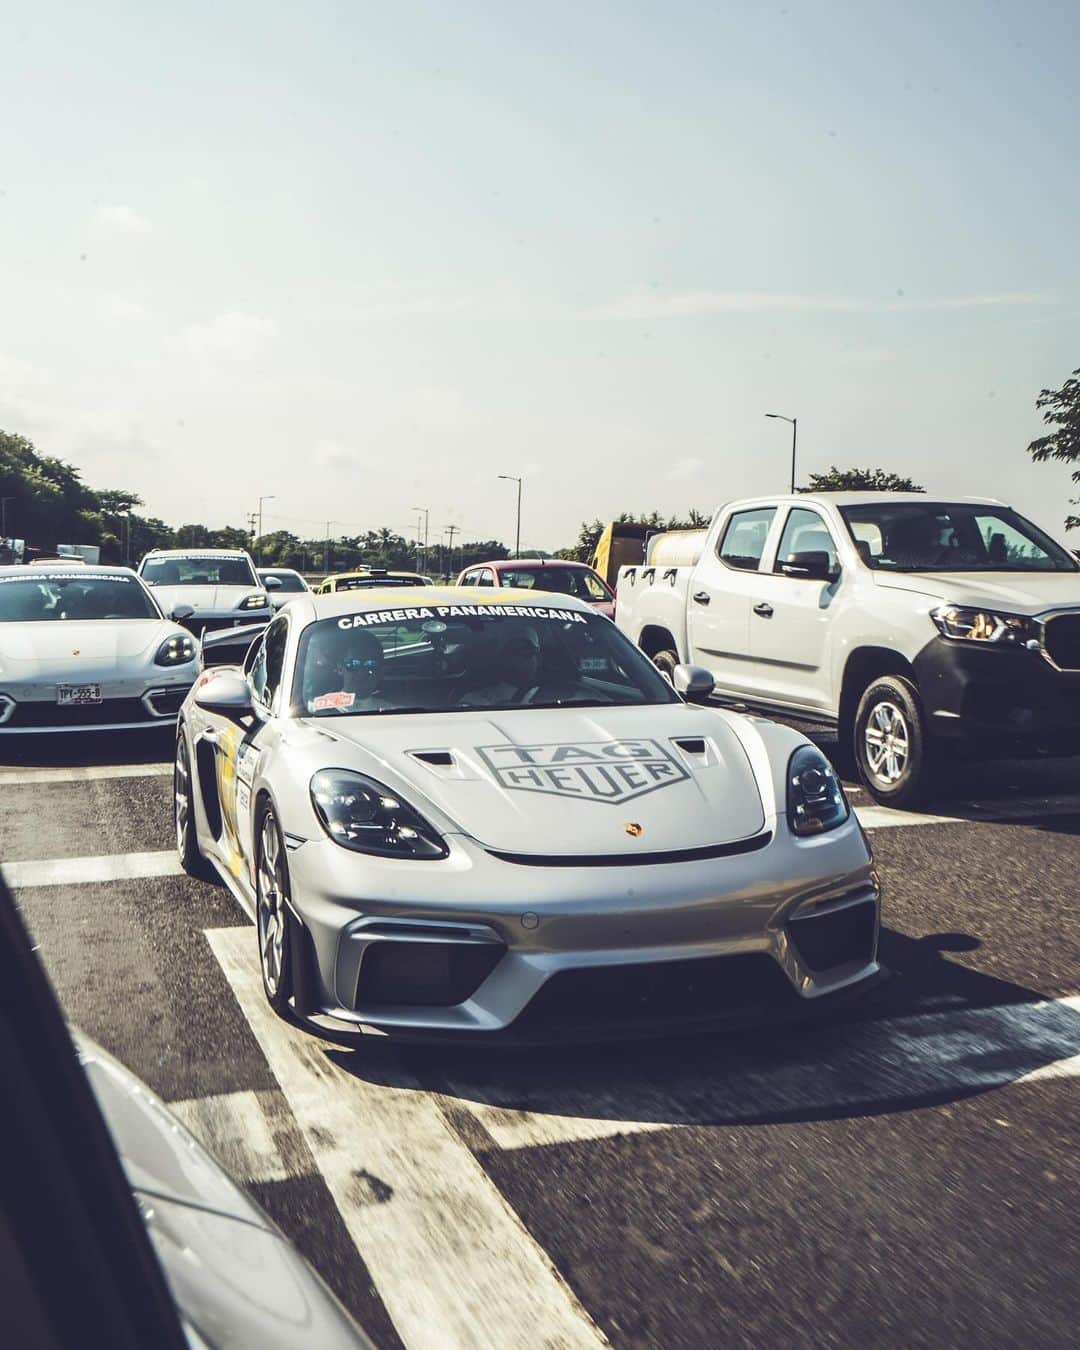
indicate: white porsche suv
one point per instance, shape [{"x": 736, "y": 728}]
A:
[
  {"x": 219, "y": 585},
  {"x": 920, "y": 627}
]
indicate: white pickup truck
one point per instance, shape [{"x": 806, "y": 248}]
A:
[{"x": 911, "y": 623}]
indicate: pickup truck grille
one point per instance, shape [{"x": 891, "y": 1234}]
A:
[{"x": 1063, "y": 641}]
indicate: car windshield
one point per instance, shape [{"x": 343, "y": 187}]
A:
[
  {"x": 943, "y": 537},
  {"x": 440, "y": 658},
  {"x": 575, "y": 581},
  {"x": 176, "y": 570},
  {"x": 71, "y": 595},
  {"x": 289, "y": 580}
]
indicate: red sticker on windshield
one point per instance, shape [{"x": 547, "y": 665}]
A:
[{"x": 339, "y": 699}]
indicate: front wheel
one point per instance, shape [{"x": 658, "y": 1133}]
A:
[
  {"x": 272, "y": 918},
  {"x": 891, "y": 743}
]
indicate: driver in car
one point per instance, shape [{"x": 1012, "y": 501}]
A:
[
  {"x": 517, "y": 665},
  {"x": 343, "y": 670}
]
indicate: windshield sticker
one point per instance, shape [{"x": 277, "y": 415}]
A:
[
  {"x": 40, "y": 574},
  {"x": 438, "y": 612},
  {"x": 339, "y": 699},
  {"x": 599, "y": 771}
]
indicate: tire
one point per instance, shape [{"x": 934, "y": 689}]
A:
[
  {"x": 273, "y": 922},
  {"x": 187, "y": 843},
  {"x": 891, "y": 743},
  {"x": 665, "y": 661}
]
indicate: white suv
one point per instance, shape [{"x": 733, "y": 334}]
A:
[
  {"x": 912, "y": 623},
  {"x": 208, "y": 588}
]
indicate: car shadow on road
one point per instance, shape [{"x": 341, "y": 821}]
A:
[
  {"x": 937, "y": 1031},
  {"x": 79, "y": 749}
]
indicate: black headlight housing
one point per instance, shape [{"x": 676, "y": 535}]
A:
[
  {"x": 815, "y": 800},
  {"x": 362, "y": 814},
  {"x": 177, "y": 650}
]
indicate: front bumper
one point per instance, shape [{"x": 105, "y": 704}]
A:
[
  {"x": 126, "y": 705},
  {"x": 999, "y": 700},
  {"x": 413, "y": 948}
]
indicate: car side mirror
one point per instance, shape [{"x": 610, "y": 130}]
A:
[
  {"x": 695, "y": 683},
  {"x": 227, "y": 694},
  {"x": 180, "y": 612},
  {"x": 272, "y": 584},
  {"x": 813, "y": 565}
]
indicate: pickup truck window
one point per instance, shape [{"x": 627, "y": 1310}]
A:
[
  {"x": 744, "y": 538},
  {"x": 952, "y": 537},
  {"x": 804, "y": 532}
]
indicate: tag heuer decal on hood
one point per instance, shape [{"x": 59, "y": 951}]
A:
[{"x": 599, "y": 771}]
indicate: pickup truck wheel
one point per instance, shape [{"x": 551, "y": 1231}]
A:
[
  {"x": 891, "y": 743},
  {"x": 665, "y": 662}
]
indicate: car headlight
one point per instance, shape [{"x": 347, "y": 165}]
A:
[
  {"x": 175, "y": 651},
  {"x": 360, "y": 813},
  {"x": 985, "y": 625},
  {"x": 256, "y": 601},
  {"x": 815, "y": 799}
]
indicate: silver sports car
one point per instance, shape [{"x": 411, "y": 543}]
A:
[
  {"x": 470, "y": 811},
  {"x": 87, "y": 648}
]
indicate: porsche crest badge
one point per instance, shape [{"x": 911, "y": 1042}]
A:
[{"x": 632, "y": 828}]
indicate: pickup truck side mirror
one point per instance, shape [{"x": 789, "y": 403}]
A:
[
  {"x": 813, "y": 565},
  {"x": 695, "y": 683}
]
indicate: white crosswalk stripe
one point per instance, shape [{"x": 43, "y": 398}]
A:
[
  {"x": 103, "y": 867},
  {"x": 453, "y": 1263},
  {"x": 82, "y": 774}
]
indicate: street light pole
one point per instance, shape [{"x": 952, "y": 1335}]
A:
[
  {"x": 451, "y": 530},
  {"x": 513, "y": 478},
  {"x": 794, "y": 432},
  {"x": 426, "y": 512},
  {"x": 3, "y": 516},
  {"x": 268, "y": 498},
  {"x": 326, "y": 561}
]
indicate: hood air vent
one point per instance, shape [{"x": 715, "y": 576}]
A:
[{"x": 438, "y": 759}]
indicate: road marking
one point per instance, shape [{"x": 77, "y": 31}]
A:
[
  {"x": 875, "y": 1065},
  {"x": 106, "y": 867},
  {"x": 886, "y": 817},
  {"x": 83, "y": 773},
  {"x": 251, "y": 1134},
  {"x": 452, "y": 1262}
]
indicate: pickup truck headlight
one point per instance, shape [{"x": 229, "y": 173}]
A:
[
  {"x": 815, "y": 799},
  {"x": 360, "y": 813},
  {"x": 986, "y": 625},
  {"x": 175, "y": 651},
  {"x": 257, "y": 601}
]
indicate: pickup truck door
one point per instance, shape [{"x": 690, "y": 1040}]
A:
[
  {"x": 723, "y": 586},
  {"x": 790, "y": 617}
]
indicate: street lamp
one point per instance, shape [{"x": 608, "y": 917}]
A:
[
  {"x": 426, "y": 513},
  {"x": 268, "y": 498},
  {"x": 326, "y": 562},
  {"x": 794, "y": 432},
  {"x": 512, "y": 478}
]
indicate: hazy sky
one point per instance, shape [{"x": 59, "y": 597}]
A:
[{"x": 367, "y": 256}]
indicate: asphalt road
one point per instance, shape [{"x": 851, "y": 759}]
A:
[{"x": 902, "y": 1171}]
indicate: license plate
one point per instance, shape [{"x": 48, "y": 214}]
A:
[{"x": 68, "y": 695}]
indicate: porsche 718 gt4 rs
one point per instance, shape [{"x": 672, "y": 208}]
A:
[
  {"x": 459, "y": 811},
  {"x": 87, "y": 649}
]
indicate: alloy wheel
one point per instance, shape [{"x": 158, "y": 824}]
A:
[
  {"x": 887, "y": 741},
  {"x": 270, "y": 911},
  {"x": 182, "y": 797}
]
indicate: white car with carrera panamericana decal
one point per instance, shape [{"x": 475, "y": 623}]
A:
[{"x": 455, "y": 810}]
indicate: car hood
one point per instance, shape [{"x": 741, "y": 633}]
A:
[
  {"x": 217, "y": 599},
  {"x": 1016, "y": 592},
  {"x": 581, "y": 781},
  {"x": 235, "y": 1280},
  {"x": 110, "y": 641},
  {"x": 159, "y": 1156}
]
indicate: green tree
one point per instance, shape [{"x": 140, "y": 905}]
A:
[
  {"x": 1060, "y": 409},
  {"x": 859, "y": 480}
]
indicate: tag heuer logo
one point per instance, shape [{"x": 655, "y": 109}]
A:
[{"x": 597, "y": 771}]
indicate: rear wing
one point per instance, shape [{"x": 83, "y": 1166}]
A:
[{"x": 228, "y": 646}]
